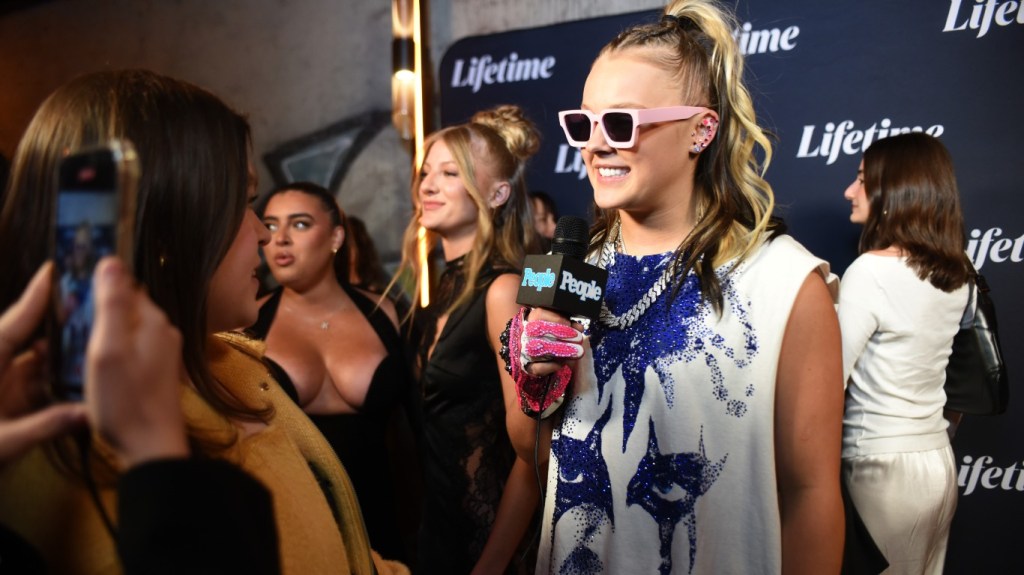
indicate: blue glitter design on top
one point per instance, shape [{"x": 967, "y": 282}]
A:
[
  {"x": 668, "y": 485},
  {"x": 583, "y": 483},
  {"x": 666, "y": 334}
]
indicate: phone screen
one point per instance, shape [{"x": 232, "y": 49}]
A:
[{"x": 86, "y": 225}]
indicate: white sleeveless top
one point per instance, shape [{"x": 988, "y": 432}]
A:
[{"x": 664, "y": 458}]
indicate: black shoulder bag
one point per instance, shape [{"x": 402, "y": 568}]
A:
[{"x": 976, "y": 380}]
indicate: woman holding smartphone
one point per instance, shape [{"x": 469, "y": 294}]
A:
[
  {"x": 196, "y": 251},
  {"x": 184, "y": 512}
]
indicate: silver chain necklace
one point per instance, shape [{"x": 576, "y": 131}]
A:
[{"x": 643, "y": 304}]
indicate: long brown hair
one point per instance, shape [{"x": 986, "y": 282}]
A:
[
  {"x": 194, "y": 156},
  {"x": 915, "y": 205},
  {"x": 505, "y": 234},
  {"x": 365, "y": 269},
  {"x": 695, "y": 46}
]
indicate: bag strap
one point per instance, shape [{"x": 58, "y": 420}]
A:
[
  {"x": 979, "y": 280},
  {"x": 972, "y": 283}
]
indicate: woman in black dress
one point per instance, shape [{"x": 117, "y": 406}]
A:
[
  {"x": 470, "y": 195},
  {"x": 337, "y": 345}
]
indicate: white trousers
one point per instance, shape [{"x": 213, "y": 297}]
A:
[{"x": 907, "y": 502}]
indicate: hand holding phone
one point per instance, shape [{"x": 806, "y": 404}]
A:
[
  {"x": 22, "y": 424},
  {"x": 134, "y": 372},
  {"x": 94, "y": 216}
]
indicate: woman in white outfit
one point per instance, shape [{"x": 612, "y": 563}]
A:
[{"x": 899, "y": 307}]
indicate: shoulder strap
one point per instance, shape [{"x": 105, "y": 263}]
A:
[{"x": 379, "y": 321}]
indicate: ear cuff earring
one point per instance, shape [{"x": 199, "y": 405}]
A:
[{"x": 708, "y": 127}]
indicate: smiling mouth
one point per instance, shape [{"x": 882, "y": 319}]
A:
[{"x": 612, "y": 172}]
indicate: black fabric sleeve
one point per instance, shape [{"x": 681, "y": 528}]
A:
[
  {"x": 195, "y": 516},
  {"x": 18, "y": 556}
]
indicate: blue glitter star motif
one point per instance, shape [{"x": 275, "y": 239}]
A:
[
  {"x": 667, "y": 485},
  {"x": 672, "y": 330},
  {"x": 584, "y": 485}
]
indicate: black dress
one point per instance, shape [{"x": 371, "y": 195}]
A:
[
  {"x": 467, "y": 454},
  {"x": 360, "y": 439}
]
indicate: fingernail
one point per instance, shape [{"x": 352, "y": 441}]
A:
[{"x": 112, "y": 269}]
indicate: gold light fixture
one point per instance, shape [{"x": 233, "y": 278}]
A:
[
  {"x": 407, "y": 102},
  {"x": 405, "y": 75}
]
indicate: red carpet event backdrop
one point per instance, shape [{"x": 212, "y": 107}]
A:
[{"x": 828, "y": 79}]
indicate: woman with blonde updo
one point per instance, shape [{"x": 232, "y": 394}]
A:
[{"x": 470, "y": 195}]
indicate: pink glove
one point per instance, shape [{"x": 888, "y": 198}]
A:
[{"x": 523, "y": 342}]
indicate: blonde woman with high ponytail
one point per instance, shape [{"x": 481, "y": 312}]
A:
[
  {"x": 701, "y": 430},
  {"x": 471, "y": 197}
]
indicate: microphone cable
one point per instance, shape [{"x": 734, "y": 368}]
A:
[{"x": 538, "y": 521}]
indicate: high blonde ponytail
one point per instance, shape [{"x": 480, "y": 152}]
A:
[{"x": 694, "y": 44}]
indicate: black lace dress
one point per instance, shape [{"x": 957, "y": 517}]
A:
[{"x": 467, "y": 455}]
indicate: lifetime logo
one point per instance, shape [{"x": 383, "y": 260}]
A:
[
  {"x": 980, "y": 472},
  {"x": 565, "y": 164},
  {"x": 842, "y": 137},
  {"x": 586, "y": 290},
  {"x": 989, "y": 246},
  {"x": 486, "y": 71},
  {"x": 753, "y": 41},
  {"x": 984, "y": 13},
  {"x": 539, "y": 280}
]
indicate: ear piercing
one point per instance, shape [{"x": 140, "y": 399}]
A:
[{"x": 708, "y": 127}]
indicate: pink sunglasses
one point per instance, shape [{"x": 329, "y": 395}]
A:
[{"x": 619, "y": 125}]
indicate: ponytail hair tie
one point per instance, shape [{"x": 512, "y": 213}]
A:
[{"x": 683, "y": 23}]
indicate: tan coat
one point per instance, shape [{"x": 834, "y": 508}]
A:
[{"x": 54, "y": 513}]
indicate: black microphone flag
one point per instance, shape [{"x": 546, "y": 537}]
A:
[{"x": 561, "y": 281}]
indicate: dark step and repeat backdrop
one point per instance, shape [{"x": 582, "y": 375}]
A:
[{"x": 828, "y": 79}]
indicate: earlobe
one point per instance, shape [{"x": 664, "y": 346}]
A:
[
  {"x": 500, "y": 194},
  {"x": 705, "y": 133}
]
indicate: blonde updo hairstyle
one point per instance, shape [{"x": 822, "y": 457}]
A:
[
  {"x": 693, "y": 44},
  {"x": 499, "y": 140}
]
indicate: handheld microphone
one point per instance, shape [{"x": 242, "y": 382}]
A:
[{"x": 562, "y": 281}]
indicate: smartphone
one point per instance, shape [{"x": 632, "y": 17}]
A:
[{"x": 94, "y": 216}]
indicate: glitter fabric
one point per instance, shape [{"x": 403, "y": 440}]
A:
[
  {"x": 672, "y": 330},
  {"x": 667, "y": 485},
  {"x": 583, "y": 477},
  {"x": 663, "y": 460}
]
